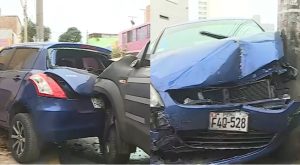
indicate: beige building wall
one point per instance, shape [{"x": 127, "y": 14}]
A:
[
  {"x": 213, "y": 9},
  {"x": 164, "y": 13},
  {"x": 225, "y": 8},
  {"x": 13, "y": 24},
  {"x": 147, "y": 14},
  {"x": 203, "y": 7},
  {"x": 7, "y": 38}
]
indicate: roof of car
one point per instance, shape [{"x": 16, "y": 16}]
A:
[
  {"x": 211, "y": 20},
  {"x": 47, "y": 45}
]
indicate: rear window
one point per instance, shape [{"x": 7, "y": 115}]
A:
[
  {"x": 92, "y": 61},
  {"x": 5, "y": 56},
  {"x": 23, "y": 58}
]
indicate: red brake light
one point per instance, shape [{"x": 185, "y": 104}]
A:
[{"x": 46, "y": 86}]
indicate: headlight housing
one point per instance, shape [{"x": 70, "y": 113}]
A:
[
  {"x": 155, "y": 99},
  {"x": 158, "y": 118}
]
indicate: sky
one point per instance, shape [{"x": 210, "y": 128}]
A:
[
  {"x": 113, "y": 16},
  {"x": 89, "y": 16}
]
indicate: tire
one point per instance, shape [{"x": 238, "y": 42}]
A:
[
  {"x": 23, "y": 141},
  {"x": 112, "y": 144}
]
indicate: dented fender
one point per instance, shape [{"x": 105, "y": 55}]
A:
[{"x": 81, "y": 81}]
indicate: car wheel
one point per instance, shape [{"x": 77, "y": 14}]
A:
[
  {"x": 23, "y": 141},
  {"x": 112, "y": 152}
]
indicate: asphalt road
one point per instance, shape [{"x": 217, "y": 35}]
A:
[
  {"x": 86, "y": 151},
  {"x": 81, "y": 151}
]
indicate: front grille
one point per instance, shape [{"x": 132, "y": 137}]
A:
[
  {"x": 225, "y": 140},
  {"x": 252, "y": 92},
  {"x": 259, "y": 90}
]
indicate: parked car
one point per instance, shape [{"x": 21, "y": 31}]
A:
[
  {"x": 124, "y": 90},
  {"x": 219, "y": 88},
  {"x": 46, "y": 94}
]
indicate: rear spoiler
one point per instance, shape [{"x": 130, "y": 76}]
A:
[{"x": 82, "y": 46}]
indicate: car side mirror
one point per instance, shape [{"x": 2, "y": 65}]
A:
[
  {"x": 142, "y": 61},
  {"x": 136, "y": 63}
]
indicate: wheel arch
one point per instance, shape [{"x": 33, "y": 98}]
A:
[
  {"x": 16, "y": 108},
  {"x": 111, "y": 92}
]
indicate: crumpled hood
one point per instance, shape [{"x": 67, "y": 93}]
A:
[
  {"x": 81, "y": 81},
  {"x": 213, "y": 63}
]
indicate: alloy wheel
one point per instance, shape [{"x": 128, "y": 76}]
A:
[{"x": 18, "y": 138}]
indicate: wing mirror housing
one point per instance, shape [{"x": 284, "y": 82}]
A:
[
  {"x": 136, "y": 63},
  {"x": 141, "y": 57}
]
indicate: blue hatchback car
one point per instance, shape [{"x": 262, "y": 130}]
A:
[
  {"x": 219, "y": 91},
  {"x": 46, "y": 94}
]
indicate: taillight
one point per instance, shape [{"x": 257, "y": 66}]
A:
[{"x": 46, "y": 86}]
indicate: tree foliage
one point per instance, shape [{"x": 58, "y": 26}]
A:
[
  {"x": 71, "y": 35},
  {"x": 117, "y": 52},
  {"x": 31, "y": 32},
  {"x": 47, "y": 33}
]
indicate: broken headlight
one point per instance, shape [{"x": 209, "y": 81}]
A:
[
  {"x": 158, "y": 118},
  {"x": 155, "y": 99}
]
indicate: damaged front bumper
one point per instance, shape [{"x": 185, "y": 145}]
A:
[
  {"x": 247, "y": 77},
  {"x": 179, "y": 129}
]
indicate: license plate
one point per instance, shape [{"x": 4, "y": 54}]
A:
[
  {"x": 228, "y": 121},
  {"x": 97, "y": 103}
]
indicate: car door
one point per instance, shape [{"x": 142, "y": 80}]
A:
[
  {"x": 137, "y": 104},
  {"x": 11, "y": 79},
  {"x": 5, "y": 57}
]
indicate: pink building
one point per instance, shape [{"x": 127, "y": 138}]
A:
[{"x": 133, "y": 40}]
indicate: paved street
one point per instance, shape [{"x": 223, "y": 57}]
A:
[
  {"x": 199, "y": 158},
  {"x": 83, "y": 151}
]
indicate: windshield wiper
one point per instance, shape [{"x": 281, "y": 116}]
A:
[{"x": 209, "y": 34}]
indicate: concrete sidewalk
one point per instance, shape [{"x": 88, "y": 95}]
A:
[{"x": 80, "y": 151}]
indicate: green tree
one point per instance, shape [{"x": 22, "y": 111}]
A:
[
  {"x": 47, "y": 33},
  {"x": 71, "y": 35},
  {"x": 117, "y": 52},
  {"x": 31, "y": 32}
]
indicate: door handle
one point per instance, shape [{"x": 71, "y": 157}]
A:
[{"x": 17, "y": 78}]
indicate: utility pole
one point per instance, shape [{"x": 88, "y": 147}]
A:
[
  {"x": 24, "y": 6},
  {"x": 39, "y": 20},
  {"x": 289, "y": 25}
]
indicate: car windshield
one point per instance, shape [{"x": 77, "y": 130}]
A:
[{"x": 191, "y": 34}]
